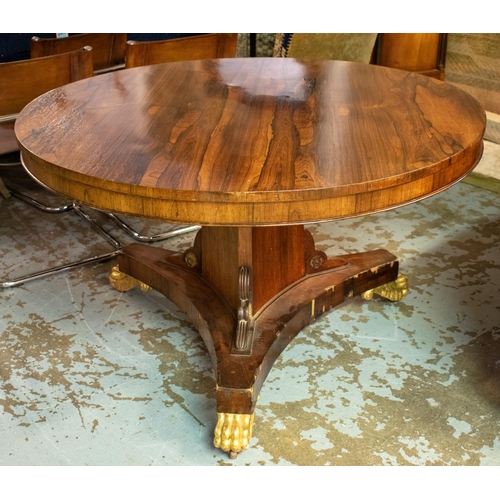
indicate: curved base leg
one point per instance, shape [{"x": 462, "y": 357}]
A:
[{"x": 247, "y": 315}]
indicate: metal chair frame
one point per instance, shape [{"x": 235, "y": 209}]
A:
[
  {"x": 63, "y": 208},
  {"x": 78, "y": 210},
  {"x": 6, "y": 191},
  {"x": 150, "y": 239}
]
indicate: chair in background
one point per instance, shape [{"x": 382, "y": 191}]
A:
[
  {"x": 20, "y": 83},
  {"x": 23, "y": 81},
  {"x": 108, "y": 49},
  {"x": 356, "y": 47},
  {"x": 209, "y": 46}
]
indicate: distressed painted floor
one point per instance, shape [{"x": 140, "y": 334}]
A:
[{"x": 90, "y": 376}]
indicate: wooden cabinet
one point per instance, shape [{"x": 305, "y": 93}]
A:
[{"x": 419, "y": 52}]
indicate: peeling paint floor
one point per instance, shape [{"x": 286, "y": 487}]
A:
[{"x": 90, "y": 376}]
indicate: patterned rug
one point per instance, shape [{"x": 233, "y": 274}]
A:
[
  {"x": 473, "y": 64},
  {"x": 473, "y": 59}
]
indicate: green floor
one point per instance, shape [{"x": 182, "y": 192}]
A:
[{"x": 90, "y": 376}]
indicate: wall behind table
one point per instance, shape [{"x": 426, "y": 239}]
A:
[{"x": 473, "y": 64}]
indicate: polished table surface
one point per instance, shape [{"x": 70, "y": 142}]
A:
[
  {"x": 251, "y": 150},
  {"x": 252, "y": 141}
]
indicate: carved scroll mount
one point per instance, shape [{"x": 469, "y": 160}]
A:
[
  {"x": 192, "y": 256},
  {"x": 243, "y": 331}
]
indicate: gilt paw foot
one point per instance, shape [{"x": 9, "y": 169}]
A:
[
  {"x": 395, "y": 290},
  {"x": 123, "y": 282},
  {"x": 233, "y": 432}
]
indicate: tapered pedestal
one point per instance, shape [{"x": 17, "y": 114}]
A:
[{"x": 249, "y": 291}]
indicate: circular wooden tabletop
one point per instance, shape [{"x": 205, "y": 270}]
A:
[{"x": 252, "y": 141}]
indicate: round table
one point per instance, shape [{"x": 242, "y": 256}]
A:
[{"x": 252, "y": 149}]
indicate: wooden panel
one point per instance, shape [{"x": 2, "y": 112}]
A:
[
  {"x": 275, "y": 256},
  {"x": 23, "y": 81},
  {"x": 419, "y": 52},
  {"x": 209, "y": 46},
  {"x": 278, "y": 261},
  {"x": 221, "y": 260}
]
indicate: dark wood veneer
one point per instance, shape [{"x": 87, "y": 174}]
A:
[{"x": 253, "y": 141}]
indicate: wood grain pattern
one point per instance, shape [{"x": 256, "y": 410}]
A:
[
  {"x": 419, "y": 52},
  {"x": 252, "y": 141},
  {"x": 275, "y": 255}
]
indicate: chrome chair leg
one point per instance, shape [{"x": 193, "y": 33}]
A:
[
  {"x": 63, "y": 208},
  {"x": 10, "y": 163},
  {"x": 120, "y": 222},
  {"x": 39, "y": 205},
  {"x": 72, "y": 265},
  {"x": 78, "y": 210},
  {"x": 150, "y": 239},
  {"x": 28, "y": 199}
]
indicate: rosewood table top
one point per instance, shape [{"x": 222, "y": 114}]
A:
[
  {"x": 252, "y": 141},
  {"x": 251, "y": 150}
]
